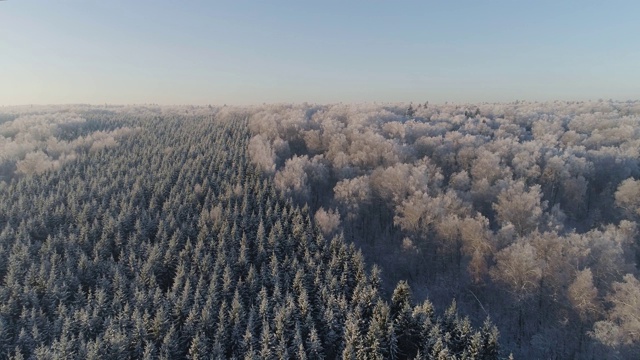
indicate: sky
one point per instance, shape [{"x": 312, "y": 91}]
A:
[{"x": 323, "y": 51}]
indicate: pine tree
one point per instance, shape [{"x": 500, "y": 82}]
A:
[
  {"x": 401, "y": 314},
  {"x": 474, "y": 347},
  {"x": 237, "y": 318},
  {"x": 490, "y": 345},
  {"x": 392, "y": 341},
  {"x": 169, "y": 348},
  {"x": 198, "y": 348},
  {"x": 314, "y": 346},
  {"x": 352, "y": 336},
  {"x": 267, "y": 342},
  {"x": 410, "y": 111},
  {"x": 150, "y": 351},
  {"x": 373, "y": 342}
]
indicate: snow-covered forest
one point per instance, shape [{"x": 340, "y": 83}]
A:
[
  {"x": 526, "y": 212},
  {"x": 149, "y": 233},
  {"x": 320, "y": 231}
]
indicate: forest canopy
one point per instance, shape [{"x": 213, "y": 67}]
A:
[
  {"x": 147, "y": 233},
  {"x": 526, "y": 211},
  {"x": 321, "y": 231}
]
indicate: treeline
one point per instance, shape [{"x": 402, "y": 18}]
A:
[
  {"x": 167, "y": 243},
  {"x": 524, "y": 211},
  {"x": 34, "y": 142}
]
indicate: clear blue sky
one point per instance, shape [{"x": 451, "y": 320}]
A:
[{"x": 247, "y": 52}]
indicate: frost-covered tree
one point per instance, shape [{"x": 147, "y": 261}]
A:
[
  {"x": 628, "y": 197},
  {"x": 622, "y": 325},
  {"x": 520, "y": 206},
  {"x": 583, "y": 295}
]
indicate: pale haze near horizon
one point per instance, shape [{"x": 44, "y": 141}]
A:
[{"x": 241, "y": 52}]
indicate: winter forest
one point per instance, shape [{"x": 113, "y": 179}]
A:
[{"x": 360, "y": 231}]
